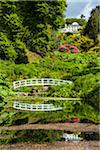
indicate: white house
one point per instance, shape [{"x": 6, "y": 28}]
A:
[{"x": 71, "y": 28}]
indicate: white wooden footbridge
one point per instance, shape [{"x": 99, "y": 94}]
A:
[
  {"x": 41, "y": 81},
  {"x": 35, "y": 107}
]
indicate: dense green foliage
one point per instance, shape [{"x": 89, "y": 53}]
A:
[
  {"x": 81, "y": 21},
  {"x": 82, "y": 69},
  {"x": 31, "y": 25},
  {"x": 82, "y": 42},
  {"x": 93, "y": 26}
]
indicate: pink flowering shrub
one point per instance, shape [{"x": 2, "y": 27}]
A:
[{"x": 68, "y": 48}]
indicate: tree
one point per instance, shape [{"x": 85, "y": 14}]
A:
[
  {"x": 7, "y": 51},
  {"x": 93, "y": 27},
  {"x": 82, "y": 16},
  {"x": 33, "y": 24},
  {"x": 81, "y": 21},
  {"x": 43, "y": 20},
  {"x": 12, "y": 31}
]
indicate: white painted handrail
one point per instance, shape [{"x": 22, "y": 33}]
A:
[
  {"x": 35, "y": 107},
  {"x": 42, "y": 81}
]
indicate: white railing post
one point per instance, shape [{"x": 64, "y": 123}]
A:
[
  {"x": 25, "y": 83},
  {"x": 48, "y": 81},
  {"x": 49, "y": 107},
  {"x": 19, "y": 83},
  {"x": 37, "y": 107},
  {"x": 14, "y": 105},
  {"x": 36, "y": 81},
  {"x": 42, "y": 81},
  {"x": 19, "y": 106},
  {"x": 42, "y": 107},
  {"x": 31, "y": 107}
]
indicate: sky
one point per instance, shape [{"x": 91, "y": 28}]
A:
[{"x": 77, "y": 7}]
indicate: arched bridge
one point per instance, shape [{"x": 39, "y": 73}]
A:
[
  {"x": 35, "y": 107},
  {"x": 42, "y": 81}
]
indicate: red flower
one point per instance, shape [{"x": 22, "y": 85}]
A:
[
  {"x": 76, "y": 120},
  {"x": 75, "y": 50}
]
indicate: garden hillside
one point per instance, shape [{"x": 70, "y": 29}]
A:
[
  {"x": 32, "y": 46},
  {"x": 81, "y": 69},
  {"x": 34, "y": 26}
]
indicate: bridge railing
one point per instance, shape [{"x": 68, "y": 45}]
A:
[
  {"x": 42, "y": 81},
  {"x": 72, "y": 137},
  {"x": 35, "y": 107}
]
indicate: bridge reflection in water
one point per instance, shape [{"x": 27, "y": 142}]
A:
[{"x": 35, "y": 107}]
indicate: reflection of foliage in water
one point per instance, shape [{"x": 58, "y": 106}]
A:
[{"x": 81, "y": 69}]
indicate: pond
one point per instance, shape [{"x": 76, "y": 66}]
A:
[{"x": 42, "y": 136}]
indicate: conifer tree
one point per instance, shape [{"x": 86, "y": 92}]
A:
[{"x": 93, "y": 26}]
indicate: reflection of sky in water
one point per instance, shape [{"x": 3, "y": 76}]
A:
[{"x": 75, "y": 7}]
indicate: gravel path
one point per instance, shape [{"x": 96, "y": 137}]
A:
[
  {"x": 81, "y": 127},
  {"x": 83, "y": 145}
]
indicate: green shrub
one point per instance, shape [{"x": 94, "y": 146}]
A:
[
  {"x": 82, "y": 42},
  {"x": 7, "y": 51}
]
